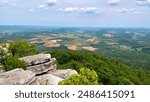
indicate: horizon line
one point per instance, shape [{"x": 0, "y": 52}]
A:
[{"x": 78, "y": 26}]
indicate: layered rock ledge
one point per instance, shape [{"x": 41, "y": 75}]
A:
[
  {"x": 40, "y": 63},
  {"x": 41, "y": 70}
]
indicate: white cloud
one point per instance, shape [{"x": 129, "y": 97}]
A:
[
  {"x": 48, "y": 4},
  {"x": 128, "y": 11},
  {"x": 143, "y": 2},
  {"x": 8, "y": 3},
  {"x": 87, "y": 10},
  {"x": 114, "y": 2},
  {"x": 43, "y": 6},
  {"x": 69, "y": 9}
]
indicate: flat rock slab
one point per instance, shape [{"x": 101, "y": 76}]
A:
[
  {"x": 48, "y": 79},
  {"x": 64, "y": 74},
  {"x": 17, "y": 77},
  {"x": 42, "y": 68},
  {"x": 36, "y": 59}
]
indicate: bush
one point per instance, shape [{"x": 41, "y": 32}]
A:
[
  {"x": 85, "y": 77},
  {"x": 12, "y": 62},
  {"x": 22, "y": 48}
]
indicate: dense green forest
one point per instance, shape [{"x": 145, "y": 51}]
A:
[{"x": 109, "y": 71}]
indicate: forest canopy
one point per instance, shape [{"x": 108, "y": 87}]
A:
[{"x": 109, "y": 71}]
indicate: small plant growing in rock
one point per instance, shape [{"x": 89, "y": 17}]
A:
[{"x": 46, "y": 82}]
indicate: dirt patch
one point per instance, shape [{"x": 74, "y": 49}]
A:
[
  {"x": 108, "y": 35},
  {"x": 51, "y": 43},
  {"x": 72, "y": 47},
  {"x": 93, "y": 41},
  {"x": 89, "y": 48}
]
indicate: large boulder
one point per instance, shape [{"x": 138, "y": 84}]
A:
[
  {"x": 42, "y": 68},
  {"x": 36, "y": 59},
  {"x": 40, "y": 63},
  {"x": 17, "y": 77},
  {"x": 64, "y": 74},
  {"x": 48, "y": 79}
]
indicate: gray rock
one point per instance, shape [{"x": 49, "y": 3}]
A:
[
  {"x": 64, "y": 74},
  {"x": 36, "y": 59},
  {"x": 48, "y": 79},
  {"x": 40, "y": 63},
  {"x": 17, "y": 77},
  {"x": 42, "y": 68},
  {"x": 1, "y": 69}
]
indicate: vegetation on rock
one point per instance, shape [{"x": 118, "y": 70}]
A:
[
  {"x": 22, "y": 48},
  {"x": 16, "y": 49},
  {"x": 85, "y": 77},
  {"x": 12, "y": 62}
]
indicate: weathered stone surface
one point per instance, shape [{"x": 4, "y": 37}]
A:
[
  {"x": 64, "y": 74},
  {"x": 36, "y": 59},
  {"x": 40, "y": 63},
  {"x": 48, "y": 79},
  {"x": 1, "y": 69},
  {"x": 17, "y": 77},
  {"x": 42, "y": 68}
]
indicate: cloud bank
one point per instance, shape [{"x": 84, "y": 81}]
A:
[{"x": 87, "y": 10}]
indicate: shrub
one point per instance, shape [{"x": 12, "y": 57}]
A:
[
  {"x": 12, "y": 62},
  {"x": 22, "y": 48},
  {"x": 85, "y": 77}
]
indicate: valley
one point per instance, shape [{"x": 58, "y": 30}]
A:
[{"x": 128, "y": 45}]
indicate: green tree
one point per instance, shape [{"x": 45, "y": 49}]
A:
[
  {"x": 124, "y": 81},
  {"x": 22, "y": 48},
  {"x": 12, "y": 62},
  {"x": 85, "y": 77}
]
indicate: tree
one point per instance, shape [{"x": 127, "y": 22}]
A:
[
  {"x": 85, "y": 77},
  {"x": 22, "y": 48},
  {"x": 124, "y": 81},
  {"x": 12, "y": 62}
]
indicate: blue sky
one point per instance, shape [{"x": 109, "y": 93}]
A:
[{"x": 94, "y": 13}]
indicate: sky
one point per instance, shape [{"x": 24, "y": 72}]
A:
[{"x": 86, "y": 13}]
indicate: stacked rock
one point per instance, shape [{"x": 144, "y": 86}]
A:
[
  {"x": 40, "y": 63},
  {"x": 40, "y": 70}
]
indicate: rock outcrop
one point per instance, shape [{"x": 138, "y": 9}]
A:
[
  {"x": 40, "y": 63},
  {"x": 40, "y": 70},
  {"x": 48, "y": 79},
  {"x": 17, "y": 77},
  {"x": 64, "y": 74}
]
